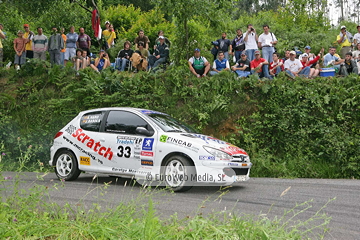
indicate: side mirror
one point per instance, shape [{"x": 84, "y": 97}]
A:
[{"x": 143, "y": 131}]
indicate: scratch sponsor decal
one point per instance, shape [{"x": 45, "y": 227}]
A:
[
  {"x": 212, "y": 158},
  {"x": 147, "y": 162},
  {"x": 147, "y": 154},
  {"x": 148, "y": 144},
  {"x": 90, "y": 143},
  {"x": 85, "y": 161}
]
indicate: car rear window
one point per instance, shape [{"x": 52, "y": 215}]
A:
[{"x": 91, "y": 121}]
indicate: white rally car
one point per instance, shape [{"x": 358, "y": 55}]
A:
[{"x": 151, "y": 146}]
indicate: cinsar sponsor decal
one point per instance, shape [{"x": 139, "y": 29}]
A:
[
  {"x": 147, "y": 162},
  {"x": 84, "y": 161},
  {"x": 147, "y": 154},
  {"x": 90, "y": 143}
]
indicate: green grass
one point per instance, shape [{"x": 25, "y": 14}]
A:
[{"x": 32, "y": 214}]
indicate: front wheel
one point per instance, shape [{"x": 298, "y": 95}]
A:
[
  {"x": 66, "y": 166},
  {"x": 178, "y": 173}
]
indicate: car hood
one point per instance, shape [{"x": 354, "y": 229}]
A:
[{"x": 202, "y": 140}]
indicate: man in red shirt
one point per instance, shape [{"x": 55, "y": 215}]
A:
[
  {"x": 276, "y": 66},
  {"x": 259, "y": 66},
  {"x": 306, "y": 63}
]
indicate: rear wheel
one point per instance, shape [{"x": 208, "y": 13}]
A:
[
  {"x": 66, "y": 166},
  {"x": 178, "y": 173}
]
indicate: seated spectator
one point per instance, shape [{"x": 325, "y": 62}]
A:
[
  {"x": 86, "y": 60},
  {"x": 259, "y": 66},
  {"x": 78, "y": 59},
  {"x": 157, "y": 40},
  {"x": 333, "y": 60},
  {"x": 101, "y": 62},
  {"x": 198, "y": 65},
  {"x": 124, "y": 56},
  {"x": 139, "y": 62},
  {"x": 276, "y": 66},
  {"x": 294, "y": 67},
  {"x": 242, "y": 67},
  {"x": 356, "y": 55},
  {"x": 220, "y": 64},
  {"x": 287, "y": 56},
  {"x": 144, "y": 52},
  {"x": 350, "y": 65},
  {"x": 19, "y": 47},
  {"x": 310, "y": 63},
  {"x": 161, "y": 54}
]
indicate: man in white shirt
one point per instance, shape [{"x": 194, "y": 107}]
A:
[
  {"x": 250, "y": 39},
  {"x": 267, "y": 41},
  {"x": 294, "y": 67},
  {"x": 357, "y": 36}
]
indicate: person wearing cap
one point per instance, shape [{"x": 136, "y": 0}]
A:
[
  {"x": 55, "y": 45},
  {"x": 259, "y": 66},
  {"x": 124, "y": 56},
  {"x": 294, "y": 68},
  {"x": 161, "y": 54},
  {"x": 349, "y": 65},
  {"x": 40, "y": 44},
  {"x": 238, "y": 44},
  {"x": 198, "y": 65},
  {"x": 307, "y": 50},
  {"x": 28, "y": 35},
  {"x": 267, "y": 41},
  {"x": 19, "y": 47},
  {"x": 2, "y": 36},
  {"x": 344, "y": 39},
  {"x": 220, "y": 64},
  {"x": 306, "y": 62},
  {"x": 157, "y": 40},
  {"x": 142, "y": 38},
  {"x": 276, "y": 66},
  {"x": 242, "y": 66},
  {"x": 250, "y": 39},
  {"x": 71, "y": 39},
  {"x": 109, "y": 35},
  {"x": 357, "y": 36},
  {"x": 330, "y": 59},
  {"x": 102, "y": 62}
]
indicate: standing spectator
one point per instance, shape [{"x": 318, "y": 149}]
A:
[
  {"x": 287, "y": 55},
  {"x": 357, "y": 36},
  {"x": 199, "y": 66},
  {"x": 350, "y": 65},
  {"x": 71, "y": 41},
  {"x": 124, "y": 56},
  {"x": 242, "y": 67},
  {"x": 238, "y": 44},
  {"x": 215, "y": 49},
  {"x": 19, "y": 47},
  {"x": 109, "y": 35},
  {"x": 2, "y": 36},
  {"x": 56, "y": 44},
  {"x": 276, "y": 66},
  {"x": 250, "y": 38},
  {"x": 224, "y": 45},
  {"x": 101, "y": 62},
  {"x": 220, "y": 64},
  {"x": 344, "y": 39},
  {"x": 259, "y": 66},
  {"x": 294, "y": 67},
  {"x": 142, "y": 38},
  {"x": 157, "y": 40},
  {"x": 356, "y": 56},
  {"x": 331, "y": 60},
  {"x": 28, "y": 35},
  {"x": 84, "y": 41},
  {"x": 40, "y": 43},
  {"x": 62, "y": 52},
  {"x": 267, "y": 41},
  {"x": 161, "y": 54}
]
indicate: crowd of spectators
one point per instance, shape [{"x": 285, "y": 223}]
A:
[{"x": 251, "y": 53}]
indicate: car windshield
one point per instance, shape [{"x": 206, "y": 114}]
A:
[{"x": 169, "y": 124}]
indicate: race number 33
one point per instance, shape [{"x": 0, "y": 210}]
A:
[{"x": 124, "y": 151}]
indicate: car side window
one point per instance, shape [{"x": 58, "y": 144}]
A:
[
  {"x": 91, "y": 121},
  {"x": 124, "y": 122}
]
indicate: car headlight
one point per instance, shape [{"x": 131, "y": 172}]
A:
[{"x": 218, "y": 153}]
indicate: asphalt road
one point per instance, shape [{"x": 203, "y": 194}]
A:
[{"x": 264, "y": 197}]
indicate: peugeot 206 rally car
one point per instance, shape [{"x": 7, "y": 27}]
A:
[{"x": 151, "y": 146}]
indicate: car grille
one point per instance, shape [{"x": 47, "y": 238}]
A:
[{"x": 241, "y": 171}]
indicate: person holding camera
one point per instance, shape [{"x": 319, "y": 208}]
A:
[
  {"x": 250, "y": 39},
  {"x": 101, "y": 62}
]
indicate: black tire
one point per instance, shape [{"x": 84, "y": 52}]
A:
[
  {"x": 178, "y": 173},
  {"x": 66, "y": 165}
]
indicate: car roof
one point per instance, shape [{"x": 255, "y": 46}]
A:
[{"x": 138, "y": 110}]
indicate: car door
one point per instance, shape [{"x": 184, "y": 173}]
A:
[{"x": 129, "y": 147}]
